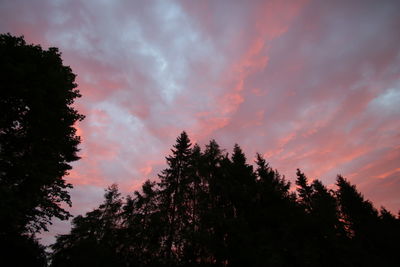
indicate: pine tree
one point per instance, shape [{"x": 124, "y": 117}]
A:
[
  {"x": 210, "y": 209},
  {"x": 270, "y": 180},
  {"x": 93, "y": 240},
  {"x": 310, "y": 251},
  {"x": 174, "y": 195},
  {"x": 324, "y": 208},
  {"x": 192, "y": 235},
  {"x": 275, "y": 223},
  {"x": 304, "y": 190},
  {"x": 389, "y": 236},
  {"x": 215, "y": 205},
  {"x": 361, "y": 222},
  {"x": 359, "y": 214},
  {"x": 141, "y": 231},
  {"x": 329, "y": 234},
  {"x": 241, "y": 192}
]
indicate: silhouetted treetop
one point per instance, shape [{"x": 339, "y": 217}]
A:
[
  {"x": 212, "y": 209},
  {"x": 37, "y": 135},
  {"x": 38, "y": 141}
]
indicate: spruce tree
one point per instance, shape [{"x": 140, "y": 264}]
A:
[
  {"x": 304, "y": 190},
  {"x": 195, "y": 200},
  {"x": 210, "y": 209},
  {"x": 215, "y": 205},
  {"x": 241, "y": 196},
  {"x": 361, "y": 221},
  {"x": 142, "y": 227},
  {"x": 174, "y": 196},
  {"x": 389, "y": 235},
  {"x": 94, "y": 238},
  {"x": 275, "y": 224}
]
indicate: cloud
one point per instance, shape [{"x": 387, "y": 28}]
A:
[{"x": 309, "y": 84}]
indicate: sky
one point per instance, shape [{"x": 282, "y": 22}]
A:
[{"x": 308, "y": 84}]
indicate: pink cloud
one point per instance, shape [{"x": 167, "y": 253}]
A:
[
  {"x": 311, "y": 85},
  {"x": 387, "y": 174}
]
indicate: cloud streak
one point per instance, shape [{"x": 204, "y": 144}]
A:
[{"x": 309, "y": 84}]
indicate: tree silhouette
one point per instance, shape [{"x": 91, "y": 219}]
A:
[
  {"x": 94, "y": 238},
  {"x": 174, "y": 195},
  {"x": 214, "y": 205},
  {"x": 142, "y": 227},
  {"x": 212, "y": 209},
  {"x": 38, "y": 140},
  {"x": 240, "y": 184},
  {"x": 373, "y": 235},
  {"x": 325, "y": 232},
  {"x": 208, "y": 208},
  {"x": 304, "y": 190},
  {"x": 275, "y": 227}
]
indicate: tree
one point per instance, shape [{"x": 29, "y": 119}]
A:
[
  {"x": 275, "y": 226},
  {"x": 94, "y": 238},
  {"x": 38, "y": 140},
  {"x": 305, "y": 191},
  {"x": 142, "y": 228},
  {"x": 361, "y": 221},
  {"x": 212, "y": 209},
  {"x": 389, "y": 236},
  {"x": 193, "y": 234},
  {"x": 29, "y": 252},
  {"x": 214, "y": 205},
  {"x": 37, "y": 135},
  {"x": 359, "y": 214},
  {"x": 175, "y": 198},
  {"x": 241, "y": 191}
]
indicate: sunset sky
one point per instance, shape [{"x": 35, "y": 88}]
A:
[{"x": 309, "y": 84}]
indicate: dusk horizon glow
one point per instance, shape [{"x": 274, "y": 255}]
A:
[{"x": 313, "y": 85}]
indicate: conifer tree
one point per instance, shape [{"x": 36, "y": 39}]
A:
[
  {"x": 93, "y": 240},
  {"x": 304, "y": 190},
  {"x": 195, "y": 200},
  {"x": 276, "y": 218},
  {"x": 324, "y": 208},
  {"x": 329, "y": 234},
  {"x": 241, "y": 196},
  {"x": 374, "y": 235},
  {"x": 389, "y": 236},
  {"x": 361, "y": 221},
  {"x": 215, "y": 204},
  {"x": 359, "y": 214},
  {"x": 270, "y": 180},
  {"x": 141, "y": 227},
  {"x": 174, "y": 194},
  {"x": 210, "y": 209}
]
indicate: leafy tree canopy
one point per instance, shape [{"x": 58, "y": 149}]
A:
[{"x": 38, "y": 139}]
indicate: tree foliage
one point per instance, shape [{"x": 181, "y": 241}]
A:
[
  {"x": 93, "y": 240},
  {"x": 38, "y": 140},
  {"x": 207, "y": 208},
  {"x": 212, "y": 209}
]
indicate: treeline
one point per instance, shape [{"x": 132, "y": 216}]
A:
[{"x": 209, "y": 208}]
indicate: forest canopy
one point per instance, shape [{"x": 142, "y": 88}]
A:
[{"x": 209, "y": 208}]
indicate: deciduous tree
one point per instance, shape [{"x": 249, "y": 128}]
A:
[{"x": 38, "y": 140}]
